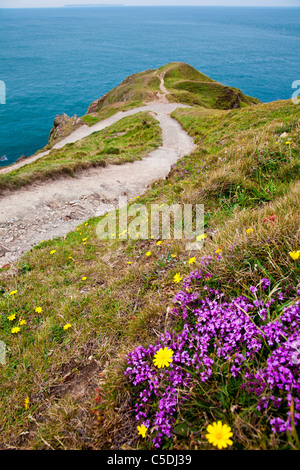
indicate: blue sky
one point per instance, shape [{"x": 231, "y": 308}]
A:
[{"x": 59, "y": 3}]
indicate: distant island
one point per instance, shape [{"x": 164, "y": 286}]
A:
[{"x": 96, "y": 5}]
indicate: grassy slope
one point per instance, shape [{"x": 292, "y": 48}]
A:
[
  {"x": 188, "y": 85},
  {"x": 243, "y": 172},
  {"x": 129, "y": 139},
  {"x": 135, "y": 90}
]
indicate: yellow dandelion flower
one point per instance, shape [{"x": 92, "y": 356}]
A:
[
  {"x": 173, "y": 256},
  {"x": 67, "y": 326},
  {"x": 192, "y": 260},
  {"x": 11, "y": 317},
  {"x": 14, "y": 330},
  {"x": 129, "y": 262},
  {"x": 159, "y": 243},
  {"x": 22, "y": 322},
  {"x": 13, "y": 292},
  {"x": 148, "y": 253},
  {"x": 38, "y": 309},
  {"x": 84, "y": 239},
  {"x": 86, "y": 224},
  {"x": 26, "y": 402},
  {"x": 219, "y": 250},
  {"x": 84, "y": 278},
  {"x": 295, "y": 255},
  {"x": 177, "y": 278},
  {"x": 163, "y": 358},
  {"x": 219, "y": 435},
  {"x": 142, "y": 430},
  {"x": 249, "y": 231},
  {"x": 288, "y": 142},
  {"x": 52, "y": 252}
]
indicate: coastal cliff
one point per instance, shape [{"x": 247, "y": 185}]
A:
[{"x": 142, "y": 343}]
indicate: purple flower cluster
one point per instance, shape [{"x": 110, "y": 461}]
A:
[{"x": 258, "y": 346}]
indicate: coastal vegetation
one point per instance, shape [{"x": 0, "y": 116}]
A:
[
  {"x": 187, "y": 85},
  {"x": 184, "y": 84},
  {"x": 129, "y": 139},
  {"x": 141, "y": 344}
]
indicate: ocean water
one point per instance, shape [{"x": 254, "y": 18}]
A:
[{"x": 61, "y": 59}]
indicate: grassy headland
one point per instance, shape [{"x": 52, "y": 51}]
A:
[
  {"x": 87, "y": 310},
  {"x": 188, "y": 85}
]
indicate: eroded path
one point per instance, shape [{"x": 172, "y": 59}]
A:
[{"x": 53, "y": 208}]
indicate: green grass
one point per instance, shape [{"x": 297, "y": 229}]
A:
[
  {"x": 188, "y": 85},
  {"x": 134, "y": 91},
  {"x": 244, "y": 174},
  {"x": 129, "y": 139}
]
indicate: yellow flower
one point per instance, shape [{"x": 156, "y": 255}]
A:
[
  {"x": 129, "y": 262},
  {"x": 84, "y": 278},
  {"x": 219, "y": 250},
  {"x": 288, "y": 142},
  {"x": 163, "y": 358},
  {"x": 192, "y": 260},
  {"x": 295, "y": 255},
  {"x": 11, "y": 317},
  {"x": 38, "y": 309},
  {"x": 173, "y": 256},
  {"x": 159, "y": 243},
  {"x": 142, "y": 430},
  {"x": 219, "y": 434},
  {"x": 13, "y": 292},
  {"x": 249, "y": 231},
  {"x": 16, "y": 329},
  {"x": 86, "y": 224},
  {"x": 84, "y": 239},
  {"x": 148, "y": 253},
  {"x": 26, "y": 403},
  {"x": 177, "y": 278},
  {"x": 52, "y": 252},
  {"x": 22, "y": 322},
  {"x": 67, "y": 326},
  {"x": 201, "y": 237}
]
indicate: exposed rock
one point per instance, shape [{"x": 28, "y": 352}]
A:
[
  {"x": 93, "y": 108},
  {"x": 22, "y": 157},
  {"x": 63, "y": 125}
]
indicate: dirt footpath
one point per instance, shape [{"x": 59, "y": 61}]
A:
[{"x": 54, "y": 208}]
